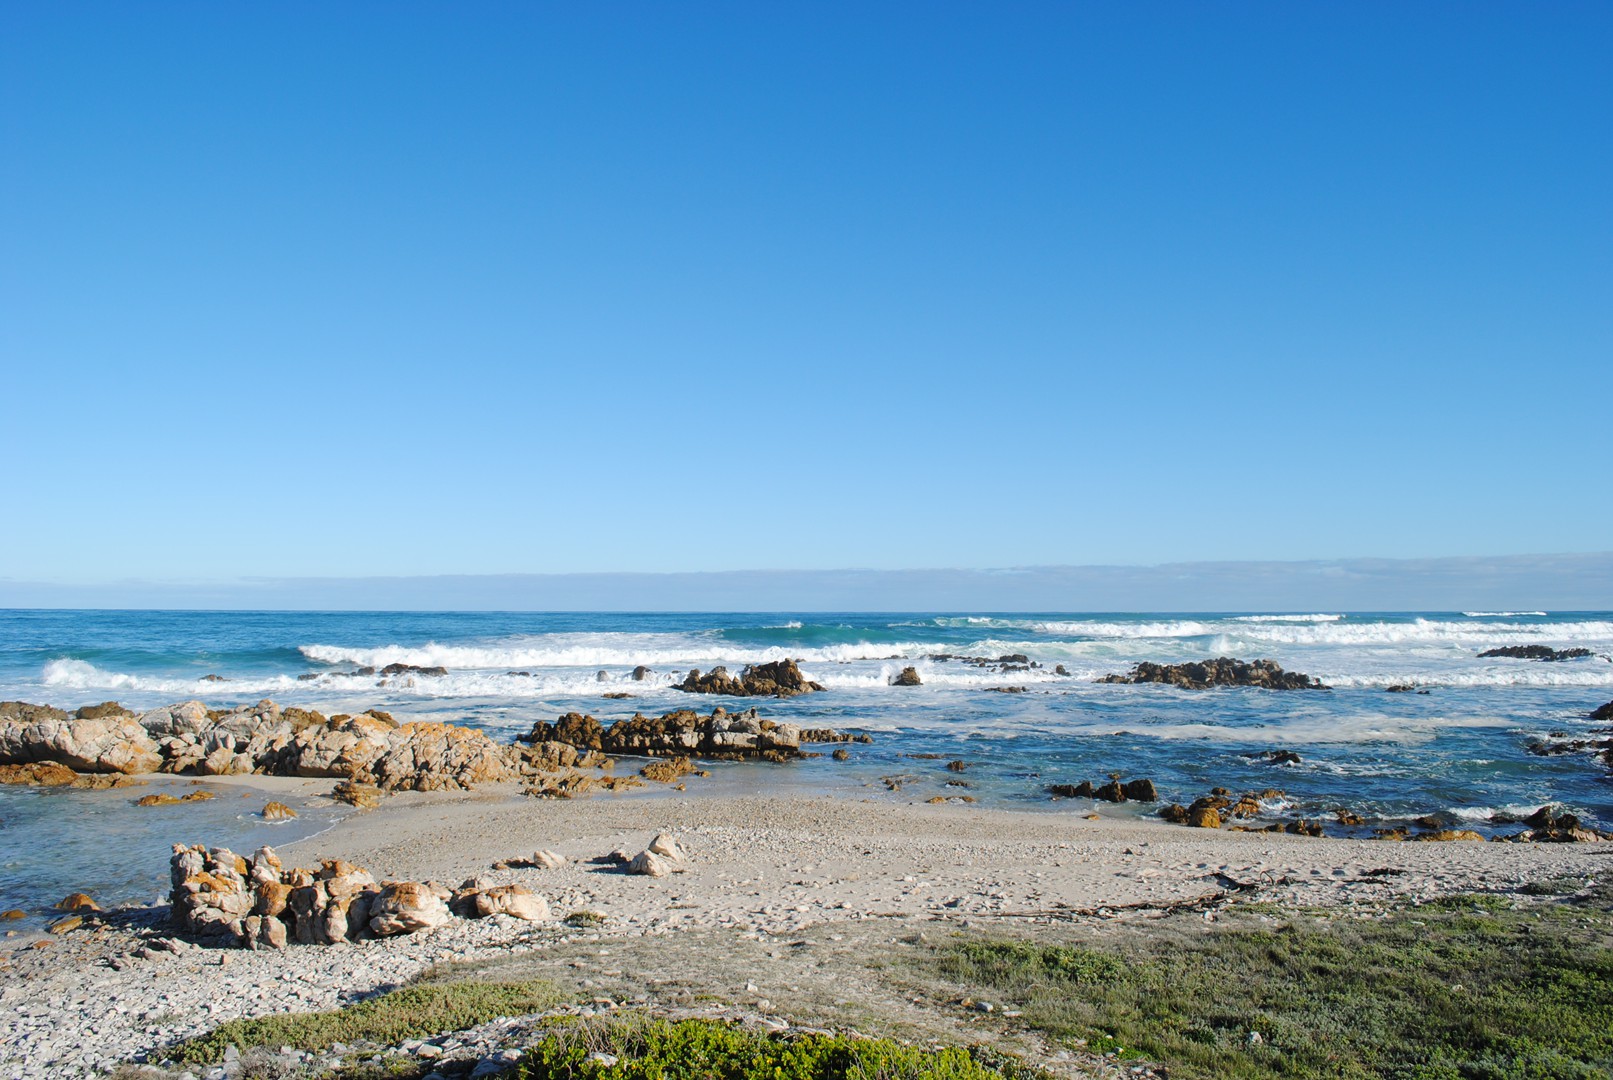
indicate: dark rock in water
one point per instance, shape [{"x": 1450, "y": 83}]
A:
[
  {"x": 1175, "y": 813},
  {"x": 1603, "y": 713},
  {"x": 781, "y": 678},
  {"x": 308, "y": 676},
  {"x": 1203, "y": 674},
  {"x": 1140, "y": 791},
  {"x": 1275, "y": 757},
  {"x": 214, "y": 678},
  {"x": 641, "y": 673},
  {"x": 1401, "y": 688},
  {"x": 1535, "y": 652},
  {"x": 1061, "y": 670},
  {"x": 602, "y": 676},
  {"x": 519, "y": 674},
  {"x": 1110, "y": 792},
  {"x": 408, "y": 669},
  {"x": 363, "y": 672},
  {"x": 908, "y": 677},
  {"x": 1014, "y": 658},
  {"x": 1083, "y": 790}
]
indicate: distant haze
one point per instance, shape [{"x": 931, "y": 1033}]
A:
[{"x": 1576, "y": 582}]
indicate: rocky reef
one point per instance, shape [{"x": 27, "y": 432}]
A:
[
  {"x": 1225, "y": 671},
  {"x": 1535, "y": 652},
  {"x": 781, "y": 678},
  {"x": 721, "y": 735}
]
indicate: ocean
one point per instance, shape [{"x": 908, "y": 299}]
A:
[{"x": 1460, "y": 750}]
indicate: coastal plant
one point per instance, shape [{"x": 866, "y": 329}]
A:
[
  {"x": 641, "y": 1048},
  {"x": 1467, "y": 988},
  {"x": 413, "y": 1012}
]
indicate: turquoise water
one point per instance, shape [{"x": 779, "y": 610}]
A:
[{"x": 1459, "y": 749}]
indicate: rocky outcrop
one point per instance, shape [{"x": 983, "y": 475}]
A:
[
  {"x": 1604, "y": 712},
  {"x": 909, "y": 677},
  {"x": 260, "y": 904},
  {"x": 781, "y": 678},
  {"x": 682, "y": 733},
  {"x": 1535, "y": 652},
  {"x": 1225, "y": 671},
  {"x": 100, "y": 744}
]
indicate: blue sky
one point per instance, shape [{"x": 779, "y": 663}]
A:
[{"x": 397, "y": 289}]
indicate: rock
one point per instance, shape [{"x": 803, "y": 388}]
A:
[
  {"x": 681, "y": 733},
  {"x": 1174, "y": 813},
  {"x": 1604, "y": 712},
  {"x": 67, "y": 925},
  {"x": 909, "y": 677},
  {"x": 781, "y": 678},
  {"x": 841, "y": 754},
  {"x": 101, "y": 711},
  {"x": 1535, "y": 652},
  {"x": 514, "y": 900},
  {"x": 1203, "y": 817},
  {"x": 14, "y": 913},
  {"x": 263, "y": 932},
  {"x": 1203, "y": 674},
  {"x": 1451, "y": 834},
  {"x": 666, "y": 847},
  {"x": 114, "y": 743},
  {"x": 666, "y": 770},
  {"x": 411, "y": 669},
  {"x": 1140, "y": 791},
  {"x": 277, "y": 811},
  {"x": 160, "y": 799},
  {"x": 1110, "y": 792},
  {"x": 1083, "y": 790},
  {"x": 77, "y": 902},
  {"x": 363, "y": 796},
  {"x": 39, "y": 774},
  {"x": 1061, "y": 670},
  {"x": 641, "y": 673},
  {"x": 404, "y": 907},
  {"x": 210, "y": 894},
  {"x": 1275, "y": 757},
  {"x": 650, "y": 864}
]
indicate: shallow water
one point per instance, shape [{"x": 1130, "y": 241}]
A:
[{"x": 1461, "y": 748}]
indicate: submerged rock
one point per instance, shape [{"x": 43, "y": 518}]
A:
[
  {"x": 1203, "y": 674},
  {"x": 1535, "y": 652}
]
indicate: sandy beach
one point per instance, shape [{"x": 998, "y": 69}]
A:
[{"x": 848, "y": 877}]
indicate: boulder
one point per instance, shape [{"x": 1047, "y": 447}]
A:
[
  {"x": 1203, "y": 817},
  {"x": 39, "y": 774},
  {"x": 1225, "y": 671},
  {"x": 77, "y": 902},
  {"x": 277, "y": 811},
  {"x": 104, "y": 744},
  {"x": 1140, "y": 790},
  {"x": 404, "y": 907},
  {"x": 909, "y": 677},
  {"x": 1603, "y": 712},
  {"x": 413, "y": 669},
  {"x": 363, "y": 796},
  {"x": 641, "y": 673},
  {"x": 517, "y": 901},
  {"x": 666, "y": 847},
  {"x": 680, "y": 733},
  {"x": 649, "y": 864},
  {"x": 260, "y": 932}
]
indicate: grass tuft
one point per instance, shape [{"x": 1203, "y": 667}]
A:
[{"x": 414, "y": 1012}]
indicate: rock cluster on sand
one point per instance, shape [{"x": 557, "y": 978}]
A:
[
  {"x": 781, "y": 678},
  {"x": 1535, "y": 652},
  {"x": 1225, "y": 671},
  {"x": 721, "y": 735},
  {"x": 262, "y": 905}
]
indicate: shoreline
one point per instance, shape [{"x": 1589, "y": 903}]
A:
[{"x": 762, "y": 867}]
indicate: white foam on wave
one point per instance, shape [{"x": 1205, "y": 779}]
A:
[
  {"x": 1287, "y": 618},
  {"x": 1310, "y": 630},
  {"x": 1504, "y": 614},
  {"x": 599, "y": 651},
  {"x": 83, "y": 675}
]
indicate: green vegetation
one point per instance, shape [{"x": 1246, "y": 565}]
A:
[
  {"x": 414, "y": 1012},
  {"x": 1461, "y": 989},
  {"x": 646, "y": 1049}
]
